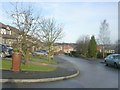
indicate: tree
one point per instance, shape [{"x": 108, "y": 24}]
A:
[
  {"x": 82, "y": 45},
  {"x": 92, "y": 48},
  {"x": 27, "y": 24},
  {"x": 117, "y": 47},
  {"x": 49, "y": 32},
  {"x": 104, "y": 35}
]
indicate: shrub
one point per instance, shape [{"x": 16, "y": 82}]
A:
[
  {"x": 16, "y": 50},
  {"x": 40, "y": 56},
  {"x": 74, "y": 53},
  {"x": 99, "y": 55},
  {"x": 66, "y": 53}
]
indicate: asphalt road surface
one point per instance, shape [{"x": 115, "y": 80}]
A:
[{"x": 93, "y": 74}]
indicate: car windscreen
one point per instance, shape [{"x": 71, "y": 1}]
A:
[{"x": 117, "y": 57}]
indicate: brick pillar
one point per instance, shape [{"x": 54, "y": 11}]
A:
[{"x": 16, "y": 61}]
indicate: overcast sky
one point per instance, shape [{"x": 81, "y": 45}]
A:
[{"x": 78, "y": 18}]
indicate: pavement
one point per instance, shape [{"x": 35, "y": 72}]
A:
[{"x": 65, "y": 70}]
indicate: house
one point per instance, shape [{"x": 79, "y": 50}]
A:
[
  {"x": 64, "y": 47},
  {"x": 67, "y": 48},
  {"x": 8, "y": 34},
  {"x": 107, "y": 48}
]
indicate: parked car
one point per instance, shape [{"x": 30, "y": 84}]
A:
[
  {"x": 5, "y": 50},
  {"x": 41, "y": 52},
  {"x": 113, "y": 59}
]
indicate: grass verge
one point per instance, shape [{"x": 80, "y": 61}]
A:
[
  {"x": 46, "y": 61},
  {"x": 6, "y": 65}
]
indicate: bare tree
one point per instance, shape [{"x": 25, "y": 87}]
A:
[
  {"x": 49, "y": 33},
  {"x": 82, "y": 45},
  {"x": 117, "y": 46},
  {"x": 104, "y": 35},
  {"x": 27, "y": 24}
]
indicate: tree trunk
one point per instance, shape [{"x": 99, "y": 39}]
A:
[
  {"x": 27, "y": 57},
  {"x": 103, "y": 51},
  {"x": 49, "y": 53}
]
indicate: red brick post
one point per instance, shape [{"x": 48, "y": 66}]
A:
[{"x": 16, "y": 61}]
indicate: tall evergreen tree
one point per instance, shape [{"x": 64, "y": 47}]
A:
[{"x": 92, "y": 48}]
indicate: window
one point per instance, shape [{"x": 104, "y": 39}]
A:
[
  {"x": 117, "y": 57},
  {"x": 3, "y": 31}
]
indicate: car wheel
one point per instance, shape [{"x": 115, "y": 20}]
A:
[
  {"x": 106, "y": 63},
  {"x": 115, "y": 65}
]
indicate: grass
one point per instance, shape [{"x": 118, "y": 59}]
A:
[
  {"x": 6, "y": 65},
  {"x": 31, "y": 67},
  {"x": 39, "y": 56},
  {"x": 43, "y": 61}
]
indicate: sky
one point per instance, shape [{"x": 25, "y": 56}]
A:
[{"x": 78, "y": 18}]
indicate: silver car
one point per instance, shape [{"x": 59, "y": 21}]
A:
[
  {"x": 113, "y": 59},
  {"x": 41, "y": 52}
]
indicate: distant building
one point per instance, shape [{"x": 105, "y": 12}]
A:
[
  {"x": 67, "y": 48},
  {"x": 107, "y": 48},
  {"x": 64, "y": 47}
]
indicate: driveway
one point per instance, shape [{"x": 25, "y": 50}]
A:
[{"x": 93, "y": 74}]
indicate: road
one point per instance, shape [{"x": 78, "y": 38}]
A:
[{"x": 93, "y": 74}]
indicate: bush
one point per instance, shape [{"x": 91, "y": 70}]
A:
[
  {"x": 16, "y": 50},
  {"x": 108, "y": 54},
  {"x": 59, "y": 52},
  {"x": 40, "y": 56},
  {"x": 99, "y": 55},
  {"x": 74, "y": 53},
  {"x": 66, "y": 53}
]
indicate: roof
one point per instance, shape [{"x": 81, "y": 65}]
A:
[
  {"x": 8, "y": 36},
  {"x": 10, "y": 28},
  {"x": 68, "y": 47}
]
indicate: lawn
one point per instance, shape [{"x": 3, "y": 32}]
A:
[
  {"x": 46, "y": 61},
  {"x": 6, "y": 65}
]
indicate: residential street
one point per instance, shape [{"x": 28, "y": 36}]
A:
[{"x": 93, "y": 74}]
